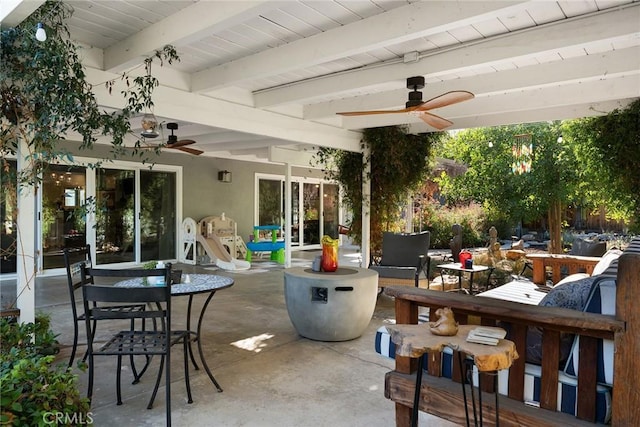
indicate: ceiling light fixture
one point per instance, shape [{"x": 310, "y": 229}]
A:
[{"x": 149, "y": 124}]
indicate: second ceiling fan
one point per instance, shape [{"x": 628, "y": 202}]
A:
[
  {"x": 174, "y": 143},
  {"x": 416, "y": 106}
]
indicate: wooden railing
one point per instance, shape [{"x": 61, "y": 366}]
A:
[
  {"x": 445, "y": 402},
  {"x": 557, "y": 265}
]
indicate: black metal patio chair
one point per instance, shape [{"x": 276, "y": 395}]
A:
[
  {"x": 134, "y": 341},
  {"x": 73, "y": 258}
]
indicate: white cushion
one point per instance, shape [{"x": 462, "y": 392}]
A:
[
  {"x": 607, "y": 258},
  {"x": 571, "y": 278}
]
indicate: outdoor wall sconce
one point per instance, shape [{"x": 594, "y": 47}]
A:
[{"x": 224, "y": 176}]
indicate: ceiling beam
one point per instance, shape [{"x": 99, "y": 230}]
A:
[
  {"x": 226, "y": 136},
  {"x": 606, "y": 25},
  {"x": 292, "y": 155},
  {"x": 190, "y": 24},
  {"x": 191, "y": 107},
  {"x": 398, "y": 25},
  {"x": 569, "y": 70},
  {"x": 245, "y": 144}
]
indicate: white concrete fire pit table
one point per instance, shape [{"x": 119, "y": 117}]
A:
[{"x": 335, "y": 306}]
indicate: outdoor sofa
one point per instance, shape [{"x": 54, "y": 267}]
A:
[{"x": 603, "y": 343}]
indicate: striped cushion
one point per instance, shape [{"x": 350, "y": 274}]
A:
[
  {"x": 385, "y": 346},
  {"x": 522, "y": 291},
  {"x": 567, "y": 392},
  {"x": 603, "y": 301},
  {"x": 567, "y": 386}
]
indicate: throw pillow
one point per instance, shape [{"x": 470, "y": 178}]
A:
[
  {"x": 572, "y": 295},
  {"x": 607, "y": 259}
]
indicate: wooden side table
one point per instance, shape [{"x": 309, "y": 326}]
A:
[{"x": 416, "y": 340}]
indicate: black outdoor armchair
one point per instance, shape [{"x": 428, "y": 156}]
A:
[{"x": 405, "y": 260}]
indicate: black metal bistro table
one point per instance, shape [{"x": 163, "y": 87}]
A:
[
  {"x": 194, "y": 284},
  {"x": 455, "y": 266}
]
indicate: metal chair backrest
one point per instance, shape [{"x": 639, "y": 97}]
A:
[
  {"x": 98, "y": 303},
  {"x": 74, "y": 279},
  {"x": 403, "y": 250},
  {"x": 100, "y": 294}
]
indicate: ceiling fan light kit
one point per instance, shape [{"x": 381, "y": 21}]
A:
[
  {"x": 173, "y": 142},
  {"x": 417, "y": 107},
  {"x": 149, "y": 124}
]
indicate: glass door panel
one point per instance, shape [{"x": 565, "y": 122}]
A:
[
  {"x": 115, "y": 216},
  {"x": 311, "y": 212},
  {"x": 8, "y": 216},
  {"x": 158, "y": 232},
  {"x": 63, "y": 216},
  {"x": 330, "y": 210},
  {"x": 269, "y": 202}
]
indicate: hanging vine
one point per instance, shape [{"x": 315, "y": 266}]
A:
[
  {"x": 399, "y": 164},
  {"x": 45, "y": 96}
]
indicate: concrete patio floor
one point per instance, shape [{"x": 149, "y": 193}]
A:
[{"x": 271, "y": 376}]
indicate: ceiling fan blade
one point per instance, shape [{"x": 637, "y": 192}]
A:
[
  {"x": 445, "y": 99},
  {"x": 365, "y": 113},
  {"x": 189, "y": 150},
  {"x": 181, "y": 143},
  {"x": 435, "y": 121}
]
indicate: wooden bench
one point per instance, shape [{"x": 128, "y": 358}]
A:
[{"x": 442, "y": 398}]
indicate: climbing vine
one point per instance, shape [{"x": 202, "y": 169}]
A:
[{"x": 399, "y": 163}]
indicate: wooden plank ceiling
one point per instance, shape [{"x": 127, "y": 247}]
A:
[{"x": 261, "y": 74}]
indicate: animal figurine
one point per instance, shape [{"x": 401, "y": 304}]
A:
[{"x": 446, "y": 324}]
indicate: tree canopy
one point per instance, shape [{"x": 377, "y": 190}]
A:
[
  {"x": 608, "y": 151},
  {"x": 490, "y": 178},
  {"x": 590, "y": 162}
]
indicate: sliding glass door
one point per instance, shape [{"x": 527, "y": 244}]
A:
[
  {"x": 314, "y": 208},
  {"x": 128, "y": 213},
  {"x": 120, "y": 195}
]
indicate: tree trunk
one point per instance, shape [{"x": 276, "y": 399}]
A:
[{"x": 555, "y": 224}]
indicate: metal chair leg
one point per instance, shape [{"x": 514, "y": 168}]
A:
[
  {"x": 186, "y": 370},
  {"x": 155, "y": 389},
  {"x": 416, "y": 394},
  {"x": 75, "y": 344},
  {"x": 118, "y": 380},
  {"x": 464, "y": 390}
]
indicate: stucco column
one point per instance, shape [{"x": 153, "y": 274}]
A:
[{"x": 287, "y": 216}]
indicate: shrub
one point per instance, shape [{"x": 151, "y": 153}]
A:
[
  {"x": 440, "y": 219},
  {"x": 33, "y": 390}
]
